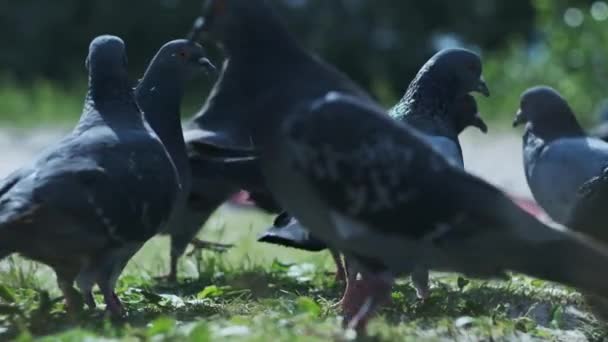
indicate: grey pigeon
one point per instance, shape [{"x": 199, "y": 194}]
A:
[
  {"x": 86, "y": 205},
  {"x": 452, "y": 115},
  {"x": 210, "y": 140},
  {"x": 368, "y": 185},
  {"x": 438, "y": 108},
  {"x": 210, "y": 133},
  {"x": 559, "y": 157},
  {"x": 159, "y": 95},
  {"x": 564, "y": 166}
]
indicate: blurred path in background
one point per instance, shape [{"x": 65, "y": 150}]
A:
[
  {"x": 495, "y": 157},
  {"x": 18, "y": 147}
]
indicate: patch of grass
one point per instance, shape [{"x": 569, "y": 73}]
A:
[
  {"x": 257, "y": 292},
  {"x": 44, "y": 102}
]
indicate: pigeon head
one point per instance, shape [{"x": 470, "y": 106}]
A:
[
  {"x": 240, "y": 24},
  {"x": 459, "y": 69},
  {"x": 108, "y": 75},
  {"x": 184, "y": 58},
  {"x": 547, "y": 113},
  {"x": 466, "y": 115},
  {"x": 107, "y": 58},
  {"x": 448, "y": 76}
]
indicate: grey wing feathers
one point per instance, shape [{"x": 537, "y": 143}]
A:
[
  {"x": 552, "y": 178},
  {"x": 376, "y": 169},
  {"x": 589, "y": 213}
]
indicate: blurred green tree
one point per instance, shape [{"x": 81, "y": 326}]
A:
[{"x": 380, "y": 43}]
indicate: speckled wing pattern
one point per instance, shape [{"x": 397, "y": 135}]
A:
[
  {"x": 376, "y": 171},
  {"x": 97, "y": 187}
]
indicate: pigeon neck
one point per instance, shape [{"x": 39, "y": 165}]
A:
[
  {"x": 565, "y": 127},
  {"x": 110, "y": 90},
  {"x": 262, "y": 35},
  {"x": 425, "y": 98},
  {"x": 159, "y": 96},
  {"x": 109, "y": 100}
]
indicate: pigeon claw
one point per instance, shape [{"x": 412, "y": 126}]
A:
[
  {"x": 212, "y": 246},
  {"x": 114, "y": 305},
  {"x": 420, "y": 280}
]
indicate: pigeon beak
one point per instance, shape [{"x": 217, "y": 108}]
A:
[
  {"x": 520, "y": 119},
  {"x": 210, "y": 69},
  {"x": 482, "y": 88},
  {"x": 479, "y": 123}
]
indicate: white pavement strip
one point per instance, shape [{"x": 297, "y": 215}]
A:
[
  {"x": 496, "y": 157},
  {"x": 19, "y": 147}
]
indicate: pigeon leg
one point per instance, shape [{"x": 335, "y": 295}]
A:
[
  {"x": 172, "y": 276},
  {"x": 420, "y": 280},
  {"x": 113, "y": 304},
  {"x": 365, "y": 297},
  {"x": 351, "y": 273},
  {"x": 89, "y": 300},
  {"x": 185, "y": 231},
  {"x": 340, "y": 270},
  {"x": 178, "y": 248},
  {"x": 86, "y": 282},
  {"x": 73, "y": 299}
]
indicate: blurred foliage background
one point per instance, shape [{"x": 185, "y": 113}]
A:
[{"x": 379, "y": 43}]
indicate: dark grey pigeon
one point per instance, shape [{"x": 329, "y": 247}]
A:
[
  {"x": 438, "y": 108},
  {"x": 159, "y": 95},
  {"x": 288, "y": 232},
  {"x": 437, "y": 101},
  {"x": 455, "y": 110},
  {"x": 565, "y": 167},
  {"x": 86, "y": 205},
  {"x": 368, "y": 185}
]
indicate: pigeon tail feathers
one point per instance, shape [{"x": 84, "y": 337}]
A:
[{"x": 550, "y": 254}]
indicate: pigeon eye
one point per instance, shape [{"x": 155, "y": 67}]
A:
[{"x": 183, "y": 54}]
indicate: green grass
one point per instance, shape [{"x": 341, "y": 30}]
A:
[
  {"x": 44, "y": 103},
  {"x": 40, "y": 103},
  {"x": 258, "y": 292}
]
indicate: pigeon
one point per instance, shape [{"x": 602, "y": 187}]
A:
[
  {"x": 565, "y": 167},
  {"x": 370, "y": 186},
  {"x": 287, "y": 231},
  {"x": 553, "y": 143},
  {"x": 87, "y": 204},
  {"x": 437, "y": 108},
  {"x": 441, "y": 126},
  {"x": 159, "y": 95},
  {"x": 219, "y": 170}
]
